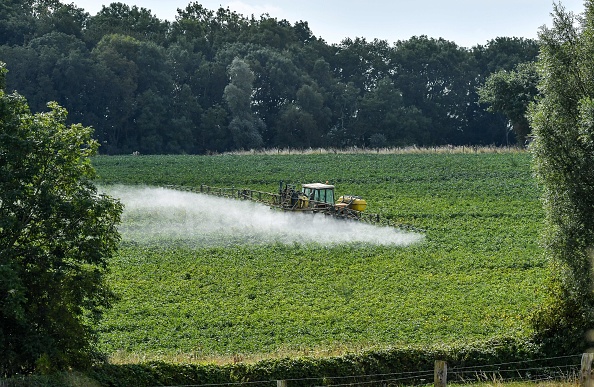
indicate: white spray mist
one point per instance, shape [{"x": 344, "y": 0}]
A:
[{"x": 159, "y": 215}]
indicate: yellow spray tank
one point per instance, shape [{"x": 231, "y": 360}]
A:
[{"x": 356, "y": 203}]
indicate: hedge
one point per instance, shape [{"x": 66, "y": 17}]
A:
[{"x": 302, "y": 371}]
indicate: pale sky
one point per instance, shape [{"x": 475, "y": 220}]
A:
[{"x": 466, "y": 22}]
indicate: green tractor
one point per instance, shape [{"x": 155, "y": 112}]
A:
[{"x": 318, "y": 197}]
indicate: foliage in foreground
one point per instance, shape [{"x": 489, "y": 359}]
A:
[
  {"x": 56, "y": 234},
  {"x": 563, "y": 122}
]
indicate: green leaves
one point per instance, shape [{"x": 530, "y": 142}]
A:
[
  {"x": 56, "y": 234},
  {"x": 245, "y": 128},
  {"x": 510, "y": 93},
  {"x": 563, "y": 124}
]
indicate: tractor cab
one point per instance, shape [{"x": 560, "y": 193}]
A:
[{"x": 319, "y": 195}]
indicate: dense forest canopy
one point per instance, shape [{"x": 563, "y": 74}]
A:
[{"x": 215, "y": 80}]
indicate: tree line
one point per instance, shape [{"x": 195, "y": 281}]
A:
[{"x": 216, "y": 80}]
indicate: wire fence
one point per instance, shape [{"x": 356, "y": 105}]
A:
[
  {"x": 550, "y": 369},
  {"x": 554, "y": 369}
]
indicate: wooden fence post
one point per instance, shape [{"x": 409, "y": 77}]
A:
[
  {"x": 586, "y": 371},
  {"x": 440, "y": 375},
  {"x": 281, "y": 383}
]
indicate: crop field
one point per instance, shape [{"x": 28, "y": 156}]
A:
[{"x": 242, "y": 290}]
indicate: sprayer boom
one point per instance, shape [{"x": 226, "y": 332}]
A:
[{"x": 312, "y": 198}]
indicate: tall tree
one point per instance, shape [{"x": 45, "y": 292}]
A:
[
  {"x": 510, "y": 93},
  {"x": 117, "y": 81},
  {"x": 206, "y": 30},
  {"x": 23, "y": 20},
  {"x": 499, "y": 54},
  {"x": 119, "y": 18},
  {"x": 344, "y": 102},
  {"x": 270, "y": 32},
  {"x": 297, "y": 128},
  {"x": 53, "y": 16},
  {"x": 382, "y": 112},
  {"x": 17, "y": 24},
  {"x": 435, "y": 76},
  {"x": 245, "y": 127},
  {"x": 214, "y": 130},
  {"x": 56, "y": 236},
  {"x": 563, "y": 122},
  {"x": 504, "y": 53}
]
